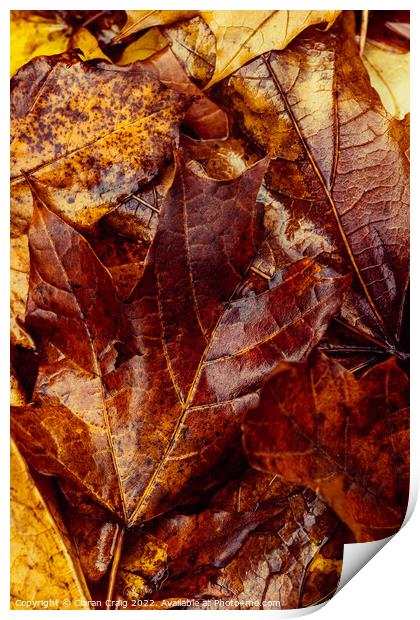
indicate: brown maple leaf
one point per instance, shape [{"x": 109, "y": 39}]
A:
[
  {"x": 321, "y": 427},
  {"x": 260, "y": 540},
  {"x": 339, "y": 181},
  {"x": 123, "y": 426}
]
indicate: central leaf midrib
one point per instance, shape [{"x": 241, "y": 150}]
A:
[{"x": 329, "y": 197}]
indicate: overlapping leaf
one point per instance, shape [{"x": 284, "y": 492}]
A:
[
  {"x": 93, "y": 420},
  {"x": 83, "y": 151},
  {"x": 340, "y": 182},
  {"x": 204, "y": 116},
  {"x": 258, "y": 543},
  {"x": 34, "y": 35},
  {"x": 163, "y": 296},
  {"x": 321, "y": 427},
  {"x": 387, "y": 58},
  {"x": 240, "y": 35},
  {"x": 44, "y": 566}
]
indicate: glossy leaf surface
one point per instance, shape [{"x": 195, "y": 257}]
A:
[
  {"x": 321, "y": 427},
  {"x": 186, "y": 355},
  {"x": 332, "y": 189}
]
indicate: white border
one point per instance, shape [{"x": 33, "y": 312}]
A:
[{"x": 388, "y": 585}]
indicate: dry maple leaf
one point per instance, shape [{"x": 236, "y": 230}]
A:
[
  {"x": 83, "y": 151},
  {"x": 192, "y": 350},
  {"x": 260, "y": 540},
  {"x": 240, "y": 35},
  {"x": 321, "y": 427},
  {"x": 340, "y": 182}
]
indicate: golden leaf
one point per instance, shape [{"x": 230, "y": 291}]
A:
[
  {"x": 152, "y": 41},
  {"x": 139, "y": 20},
  {"x": 88, "y": 45},
  {"x": 389, "y": 73},
  {"x": 240, "y": 35},
  {"x": 43, "y": 564},
  {"x": 32, "y": 35}
]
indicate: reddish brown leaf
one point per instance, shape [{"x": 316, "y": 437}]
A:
[
  {"x": 204, "y": 116},
  {"x": 259, "y": 542},
  {"x": 347, "y": 438},
  {"x": 192, "y": 349},
  {"x": 339, "y": 184},
  {"x": 94, "y": 540},
  {"x": 123, "y": 237},
  {"x": 84, "y": 151}
]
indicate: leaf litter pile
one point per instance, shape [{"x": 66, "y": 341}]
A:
[{"x": 209, "y": 222}]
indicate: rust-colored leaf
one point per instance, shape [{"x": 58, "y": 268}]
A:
[
  {"x": 321, "y": 427},
  {"x": 203, "y": 116},
  {"x": 189, "y": 348},
  {"x": 84, "y": 152},
  {"x": 123, "y": 237},
  {"x": 339, "y": 184},
  {"x": 258, "y": 544}
]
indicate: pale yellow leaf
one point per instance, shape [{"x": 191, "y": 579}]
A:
[
  {"x": 389, "y": 74},
  {"x": 140, "y": 20},
  {"x": 244, "y": 35},
  {"x": 42, "y": 565}
]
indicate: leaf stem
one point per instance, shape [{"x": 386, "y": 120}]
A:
[
  {"x": 363, "y": 32},
  {"x": 115, "y": 565}
]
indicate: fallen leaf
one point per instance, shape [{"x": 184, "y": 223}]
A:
[
  {"x": 206, "y": 118},
  {"x": 140, "y": 20},
  {"x": 339, "y": 185},
  {"x": 321, "y": 427},
  {"x": 85, "y": 41},
  {"x": 44, "y": 566},
  {"x": 186, "y": 350},
  {"x": 257, "y": 543},
  {"x": 83, "y": 152},
  {"x": 220, "y": 159},
  {"x": 389, "y": 73},
  {"x": 33, "y": 35},
  {"x": 240, "y": 35},
  {"x": 148, "y": 44},
  {"x": 122, "y": 239},
  {"x": 17, "y": 394},
  {"x": 243, "y": 35},
  {"x": 104, "y": 25},
  {"x": 194, "y": 44},
  {"x": 94, "y": 540}
]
